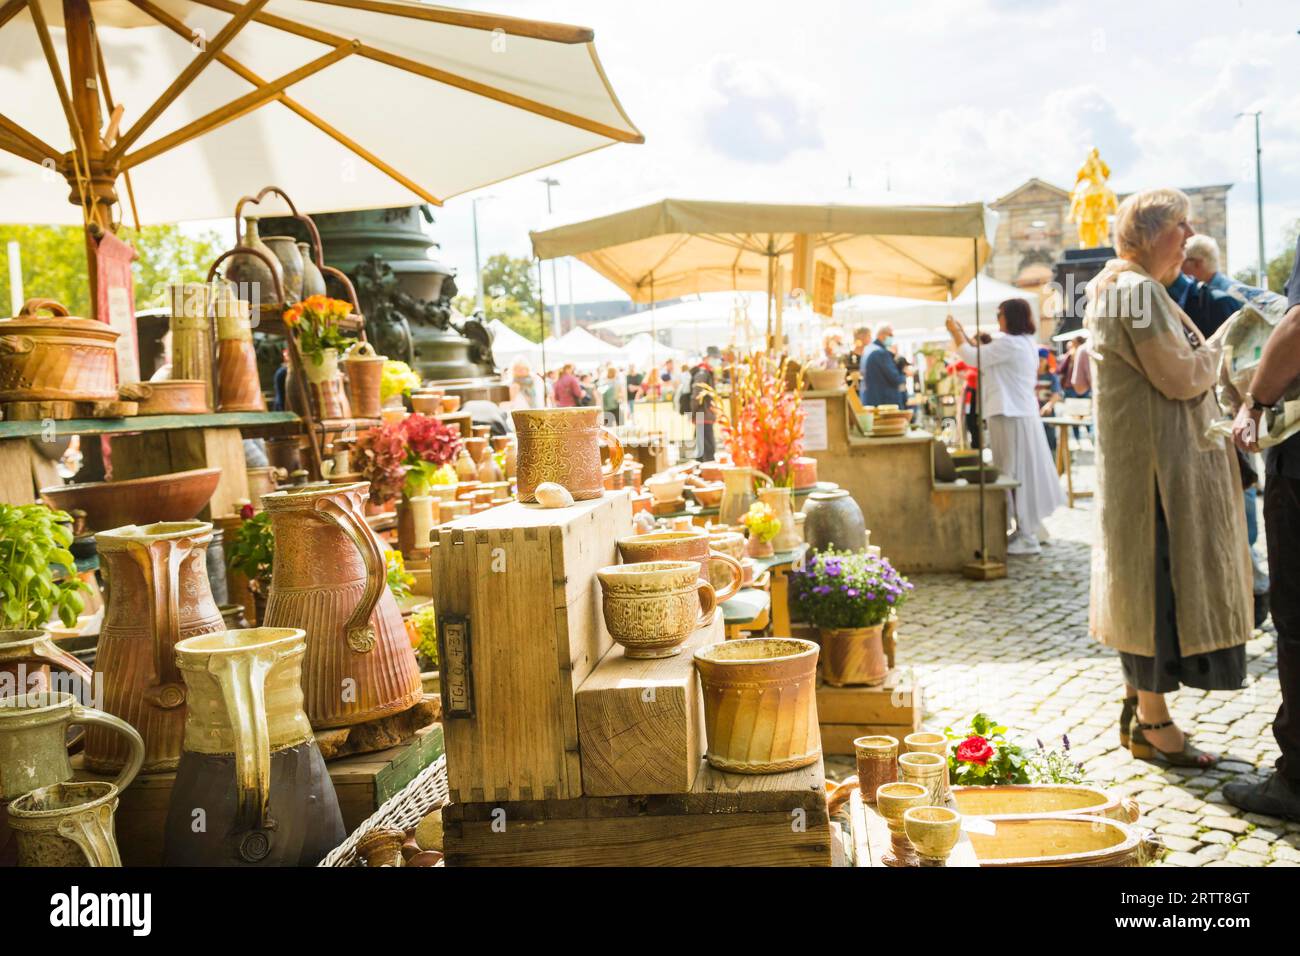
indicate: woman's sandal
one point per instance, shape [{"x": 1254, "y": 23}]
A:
[
  {"x": 1189, "y": 756},
  {"x": 1127, "y": 713}
]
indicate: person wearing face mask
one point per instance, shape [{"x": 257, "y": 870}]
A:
[
  {"x": 881, "y": 379},
  {"x": 1171, "y": 579}
]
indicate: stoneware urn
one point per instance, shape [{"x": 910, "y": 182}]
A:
[
  {"x": 683, "y": 546},
  {"x": 738, "y": 492},
  {"x": 251, "y": 759},
  {"x": 158, "y": 594},
  {"x": 66, "y": 824},
  {"x": 34, "y": 741},
  {"x": 563, "y": 445},
  {"x": 760, "y": 704},
  {"x": 330, "y": 579},
  {"x": 834, "y": 520},
  {"x": 853, "y": 656},
  {"x": 286, "y": 251},
  {"x": 651, "y": 607}
]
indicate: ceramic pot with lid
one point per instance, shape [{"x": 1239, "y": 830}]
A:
[{"x": 58, "y": 357}]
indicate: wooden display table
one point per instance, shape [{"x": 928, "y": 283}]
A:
[
  {"x": 922, "y": 524},
  {"x": 748, "y": 610},
  {"x": 1064, "y": 466}
]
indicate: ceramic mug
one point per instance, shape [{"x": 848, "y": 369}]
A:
[
  {"x": 651, "y": 607},
  {"x": 683, "y": 546},
  {"x": 563, "y": 445}
]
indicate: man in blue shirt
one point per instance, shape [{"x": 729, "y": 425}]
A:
[
  {"x": 882, "y": 380},
  {"x": 1278, "y": 369}
]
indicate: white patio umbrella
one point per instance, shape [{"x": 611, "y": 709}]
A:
[{"x": 182, "y": 106}]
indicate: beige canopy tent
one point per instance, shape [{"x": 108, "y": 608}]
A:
[{"x": 181, "y": 106}]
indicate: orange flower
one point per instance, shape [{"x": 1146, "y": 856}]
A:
[{"x": 293, "y": 315}]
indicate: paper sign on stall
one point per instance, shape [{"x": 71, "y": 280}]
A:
[{"x": 814, "y": 424}]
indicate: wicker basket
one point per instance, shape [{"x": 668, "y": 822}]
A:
[{"x": 406, "y": 808}]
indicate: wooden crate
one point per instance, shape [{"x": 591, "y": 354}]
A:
[
  {"x": 524, "y": 580},
  {"x": 845, "y": 713},
  {"x": 641, "y": 722},
  {"x": 362, "y": 783},
  {"x": 726, "y": 820}
]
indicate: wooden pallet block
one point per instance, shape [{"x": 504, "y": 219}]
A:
[
  {"x": 845, "y": 713},
  {"x": 523, "y": 579},
  {"x": 361, "y": 783},
  {"x": 727, "y": 819},
  {"x": 63, "y": 411},
  {"x": 641, "y": 722}
]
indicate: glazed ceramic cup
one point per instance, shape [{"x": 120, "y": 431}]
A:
[
  {"x": 877, "y": 756},
  {"x": 563, "y": 445},
  {"x": 683, "y": 546},
  {"x": 926, "y": 770},
  {"x": 892, "y": 801},
  {"x": 66, "y": 824},
  {"x": 651, "y": 607},
  {"x": 933, "y": 832},
  {"x": 926, "y": 742}
]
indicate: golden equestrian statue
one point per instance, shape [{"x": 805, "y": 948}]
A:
[{"x": 1092, "y": 201}]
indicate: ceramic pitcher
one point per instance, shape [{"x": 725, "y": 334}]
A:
[
  {"x": 781, "y": 501},
  {"x": 738, "y": 492},
  {"x": 563, "y": 445},
  {"x": 158, "y": 594},
  {"x": 330, "y": 579},
  {"x": 26, "y": 658},
  {"x": 251, "y": 763},
  {"x": 34, "y": 741},
  {"x": 66, "y": 824}
]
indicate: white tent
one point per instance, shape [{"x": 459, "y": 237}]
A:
[
  {"x": 644, "y": 352},
  {"x": 920, "y": 315},
  {"x": 508, "y": 345}
]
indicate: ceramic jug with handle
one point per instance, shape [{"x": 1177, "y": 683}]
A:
[
  {"x": 158, "y": 594},
  {"x": 251, "y": 761},
  {"x": 563, "y": 445},
  {"x": 330, "y": 579},
  {"x": 738, "y": 492},
  {"x": 34, "y": 741},
  {"x": 66, "y": 824},
  {"x": 26, "y": 658}
]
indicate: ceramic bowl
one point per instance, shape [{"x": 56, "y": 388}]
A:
[
  {"x": 708, "y": 495},
  {"x": 823, "y": 379},
  {"x": 932, "y": 831},
  {"x": 139, "y": 501},
  {"x": 665, "y": 489}
]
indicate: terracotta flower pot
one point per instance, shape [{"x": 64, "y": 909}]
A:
[
  {"x": 760, "y": 704},
  {"x": 852, "y": 656}
]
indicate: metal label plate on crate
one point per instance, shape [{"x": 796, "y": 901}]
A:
[{"x": 454, "y": 666}]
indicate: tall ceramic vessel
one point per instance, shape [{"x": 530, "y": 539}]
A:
[
  {"x": 365, "y": 372},
  {"x": 256, "y": 278},
  {"x": 158, "y": 594},
  {"x": 238, "y": 389},
  {"x": 330, "y": 579},
  {"x": 834, "y": 520},
  {"x": 191, "y": 329},
  {"x": 251, "y": 760},
  {"x": 781, "y": 501},
  {"x": 563, "y": 445},
  {"x": 286, "y": 251},
  {"x": 738, "y": 492}
]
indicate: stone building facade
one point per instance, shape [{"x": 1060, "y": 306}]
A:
[{"x": 1033, "y": 229}]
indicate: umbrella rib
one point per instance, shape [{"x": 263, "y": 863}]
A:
[
  {"x": 228, "y": 61},
  {"x": 916, "y": 262},
  {"x": 437, "y": 75},
  {"x": 186, "y": 77},
  {"x": 47, "y": 45},
  {"x": 20, "y": 149},
  {"x": 237, "y": 108},
  {"x": 672, "y": 250},
  {"x": 10, "y": 10},
  {"x": 28, "y": 139},
  {"x": 513, "y": 26}
]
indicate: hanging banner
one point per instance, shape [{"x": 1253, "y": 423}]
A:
[
  {"x": 823, "y": 298},
  {"x": 116, "y": 305}
]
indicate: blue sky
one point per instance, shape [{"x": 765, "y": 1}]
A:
[{"x": 943, "y": 101}]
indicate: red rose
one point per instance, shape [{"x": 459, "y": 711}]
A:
[{"x": 975, "y": 749}]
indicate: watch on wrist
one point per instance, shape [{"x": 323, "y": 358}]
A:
[{"x": 1255, "y": 405}]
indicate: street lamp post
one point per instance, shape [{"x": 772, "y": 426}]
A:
[
  {"x": 1259, "y": 201},
  {"x": 556, "y": 321}
]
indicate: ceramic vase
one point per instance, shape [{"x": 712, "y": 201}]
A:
[
  {"x": 324, "y": 383},
  {"x": 331, "y": 580},
  {"x": 738, "y": 492},
  {"x": 255, "y": 278},
  {"x": 191, "y": 331},
  {"x": 238, "y": 389},
  {"x": 563, "y": 445},
  {"x": 286, "y": 251},
  {"x": 760, "y": 704},
  {"x": 852, "y": 656},
  {"x": 781, "y": 501},
  {"x": 834, "y": 520},
  {"x": 158, "y": 594},
  {"x": 651, "y": 607},
  {"x": 66, "y": 824},
  {"x": 313, "y": 281},
  {"x": 251, "y": 760}
]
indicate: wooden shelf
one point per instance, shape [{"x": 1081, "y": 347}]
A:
[{"x": 272, "y": 422}]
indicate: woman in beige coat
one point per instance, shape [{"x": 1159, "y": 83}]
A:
[{"x": 1171, "y": 582}]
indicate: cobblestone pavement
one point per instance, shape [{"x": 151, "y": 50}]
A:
[{"x": 1019, "y": 650}]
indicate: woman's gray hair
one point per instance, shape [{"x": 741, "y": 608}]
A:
[{"x": 1143, "y": 216}]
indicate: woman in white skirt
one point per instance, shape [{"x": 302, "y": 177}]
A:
[{"x": 1009, "y": 366}]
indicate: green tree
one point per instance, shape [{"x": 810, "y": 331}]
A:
[
  {"x": 54, "y": 262},
  {"x": 1279, "y": 267},
  {"x": 509, "y": 294}
]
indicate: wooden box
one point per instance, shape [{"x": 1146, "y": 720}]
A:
[
  {"x": 727, "y": 819},
  {"x": 519, "y": 608},
  {"x": 845, "y": 713},
  {"x": 641, "y": 722}
]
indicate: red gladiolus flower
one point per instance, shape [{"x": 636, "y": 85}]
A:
[{"x": 975, "y": 749}]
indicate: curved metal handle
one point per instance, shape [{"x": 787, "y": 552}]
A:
[
  {"x": 243, "y": 687},
  {"x": 272, "y": 264},
  {"x": 737, "y": 575},
  {"x": 615, "y": 451},
  {"x": 92, "y": 831},
  {"x": 16, "y": 344},
  {"x": 33, "y": 306},
  {"x": 160, "y": 563},
  {"x": 134, "y": 759},
  {"x": 345, "y": 516},
  {"x": 708, "y": 603}
]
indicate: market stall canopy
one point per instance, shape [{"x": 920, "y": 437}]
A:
[
  {"x": 508, "y": 345},
  {"x": 350, "y": 103},
  {"x": 675, "y": 247},
  {"x": 644, "y": 352},
  {"x": 918, "y": 315}
]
